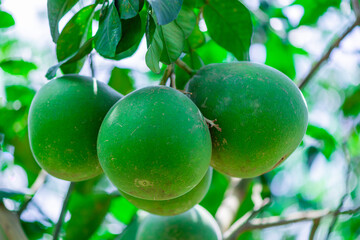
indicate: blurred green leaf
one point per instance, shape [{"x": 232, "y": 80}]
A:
[
  {"x": 194, "y": 61},
  {"x": 328, "y": 142},
  {"x": 280, "y": 55},
  {"x": 56, "y": 10},
  {"x": 153, "y": 53},
  {"x": 129, "y": 8},
  {"x": 76, "y": 32},
  {"x": 12, "y": 194},
  {"x": 311, "y": 154},
  {"x": 315, "y": 9},
  {"x": 87, "y": 213},
  {"x": 195, "y": 40},
  {"x": 78, "y": 55},
  {"x": 211, "y": 52},
  {"x": 351, "y": 105},
  {"x": 166, "y": 10},
  {"x": 122, "y": 210},
  {"x": 193, "y": 3},
  {"x": 216, "y": 193},
  {"x": 6, "y": 20},
  {"x": 229, "y": 24},
  {"x": 130, "y": 231},
  {"x": 109, "y": 32},
  {"x": 121, "y": 81},
  {"x": 17, "y": 67}
]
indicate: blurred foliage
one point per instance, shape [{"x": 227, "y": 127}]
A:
[{"x": 200, "y": 33}]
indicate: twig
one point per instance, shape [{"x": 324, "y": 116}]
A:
[
  {"x": 315, "y": 226},
  {"x": 167, "y": 74},
  {"x": 237, "y": 227},
  {"x": 172, "y": 80},
  {"x": 326, "y": 55},
  {"x": 63, "y": 211},
  {"x": 39, "y": 181},
  {"x": 261, "y": 223},
  {"x": 185, "y": 67},
  {"x": 348, "y": 171},
  {"x": 212, "y": 124}
]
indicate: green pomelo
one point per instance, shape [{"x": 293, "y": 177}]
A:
[
  {"x": 195, "y": 224},
  {"x": 154, "y": 144},
  {"x": 64, "y": 121},
  {"x": 261, "y": 112},
  {"x": 176, "y": 205}
]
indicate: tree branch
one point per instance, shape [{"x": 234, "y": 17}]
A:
[
  {"x": 92, "y": 66},
  {"x": 185, "y": 67},
  {"x": 63, "y": 212},
  {"x": 327, "y": 54},
  {"x": 10, "y": 227},
  {"x": 356, "y": 8},
  {"x": 268, "y": 222},
  {"x": 167, "y": 74},
  {"x": 235, "y": 229}
]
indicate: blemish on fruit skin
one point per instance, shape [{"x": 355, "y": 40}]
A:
[{"x": 143, "y": 183}]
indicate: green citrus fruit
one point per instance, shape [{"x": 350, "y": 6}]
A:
[
  {"x": 154, "y": 144},
  {"x": 176, "y": 205},
  {"x": 64, "y": 120},
  {"x": 261, "y": 112},
  {"x": 195, "y": 224}
]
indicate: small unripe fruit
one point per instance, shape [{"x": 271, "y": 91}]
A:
[{"x": 195, "y": 224}]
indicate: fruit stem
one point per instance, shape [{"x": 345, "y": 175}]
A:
[
  {"x": 167, "y": 74},
  {"x": 212, "y": 124},
  {"x": 63, "y": 211},
  {"x": 185, "y": 67}
]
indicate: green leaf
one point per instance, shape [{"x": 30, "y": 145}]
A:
[
  {"x": 130, "y": 231},
  {"x": 56, "y": 10},
  {"x": 153, "y": 53},
  {"x": 173, "y": 39},
  {"x": 74, "y": 35},
  {"x": 133, "y": 31},
  {"x": 280, "y": 55},
  {"x": 193, "y": 3},
  {"x": 109, "y": 33},
  {"x": 87, "y": 213},
  {"x": 122, "y": 210},
  {"x": 351, "y": 105},
  {"x": 313, "y": 10},
  {"x": 17, "y": 67},
  {"x": 186, "y": 20},
  {"x": 81, "y": 53},
  {"x": 328, "y": 142},
  {"x": 229, "y": 24},
  {"x": 194, "y": 61},
  {"x": 6, "y": 20},
  {"x": 129, "y": 8},
  {"x": 121, "y": 80},
  {"x": 166, "y": 11}
]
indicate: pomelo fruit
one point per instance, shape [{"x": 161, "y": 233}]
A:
[
  {"x": 64, "y": 121},
  {"x": 262, "y": 115}
]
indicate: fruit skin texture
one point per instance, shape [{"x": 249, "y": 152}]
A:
[
  {"x": 195, "y": 224},
  {"x": 176, "y": 205},
  {"x": 154, "y": 144},
  {"x": 262, "y": 114},
  {"x": 64, "y": 120}
]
